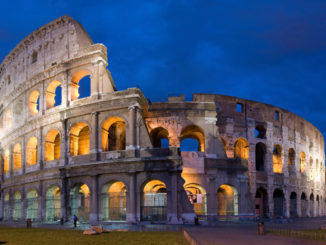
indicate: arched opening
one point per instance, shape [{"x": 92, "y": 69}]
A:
[
  {"x": 17, "y": 211},
  {"x": 31, "y": 151},
  {"x": 302, "y": 162},
  {"x": 224, "y": 145},
  {"x": 277, "y": 159},
  {"x": 79, "y": 139},
  {"x": 312, "y": 207},
  {"x": 33, "y": 102},
  {"x": 291, "y": 159},
  {"x": 80, "y": 85},
  {"x": 114, "y": 201},
  {"x": 53, "y": 94},
  {"x": 260, "y": 132},
  {"x": 154, "y": 201},
  {"x": 241, "y": 149},
  {"x": 260, "y": 156},
  {"x": 304, "y": 205},
  {"x": 278, "y": 197},
  {"x": 197, "y": 197},
  {"x": 227, "y": 200},
  {"x": 6, "y": 208},
  {"x": 53, "y": 203},
  {"x": 114, "y": 134},
  {"x": 32, "y": 204},
  {"x": 52, "y": 145},
  {"x": 317, "y": 206},
  {"x": 17, "y": 157},
  {"x": 80, "y": 201},
  {"x": 261, "y": 203},
  {"x": 293, "y": 205},
  {"x": 8, "y": 121},
  {"x": 6, "y": 161},
  {"x": 159, "y": 136},
  {"x": 198, "y": 139}
]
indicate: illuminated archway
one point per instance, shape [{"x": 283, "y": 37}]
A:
[
  {"x": 6, "y": 161},
  {"x": 114, "y": 134},
  {"x": 17, "y": 211},
  {"x": 241, "y": 149},
  {"x": 114, "y": 201},
  {"x": 80, "y": 201},
  {"x": 192, "y": 132},
  {"x": 302, "y": 162},
  {"x": 311, "y": 169},
  {"x": 52, "y": 145},
  {"x": 32, "y": 204},
  {"x": 6, "y": 207},
  {"x": 227, "y": 200},
  {"x": 53, "y": 203},
  {"x": 197, "y": 197},
  {"x": 52, "y": 92},
  {"x": 8, "y": 121},
  {"x": 159, "y": 136},
  {"x": 154, "y": 201},
  {"x": 277, "y": 159},
  {"x": 79, "y": 139},
  {"x": 33, "y": 102},
  {"x": 31, "y": 151},
  {"x": 17, "y": 157},
  {"x": 75, "y": 84}
]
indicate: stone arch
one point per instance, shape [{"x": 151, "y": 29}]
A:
[
  {"x": 31, "y": 151},
  {"x": 75, "y": 83},
  {"x": 293, "y": 205},
  {"x": 52, "y": 145},
  {"x": 34, "y": 102},
  {"x": 6, "y": 208},
  {"x": 261, "y": 202},
  {"x": 157, "y": 135},
  {"x": 312, "y": 205},
  {"x": 197, "y": 196},
  {"x": 278, "y": 197},
  {"x": 317, "y": 206},
  {"x": 51, "y": 93},
  {"x": 32, "y": 204},
  {"x": 79, "y": 139},
  {"x": 193, "y": 132},
  {"x": 302, "y": 162},
  {"x": 17, "y": 206},
  {"x": 6, "y": 161},
  {"x": 260, "y": 132},
  {"x": 227, "y": 200},
  {"x": 114, "y": 201},
  {"x": 154, "y": 201},
  {"x": 311, "y": 169},
  {"x": 260, "y": 152},
  {"x": 80, "y": 201},
  {"x": 304, "y": 205},
  {"x": 114, "y": 134},
  {"x": 53, "y": 203},
  {"x": 241, "y": 148},
  {"x": 291, "y": 157},
  {"x": 17, "y": 156},
  {"x": 277, "y": 159},
  {"x": 225, "y": 145}
]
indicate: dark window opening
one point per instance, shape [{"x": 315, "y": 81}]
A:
[
  {"x": 34, "y": 57},
  {"x": 277, "y": 116},
  {"x": 260, "y": 132},
  {"x": 260, "y": 157}
]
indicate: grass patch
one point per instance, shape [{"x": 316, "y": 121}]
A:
[
  {"x": 34, "y": 236},
  {"x": 312, "y": 234}
]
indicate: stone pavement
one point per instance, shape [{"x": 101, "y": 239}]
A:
[{"x": 239, "y": 234}]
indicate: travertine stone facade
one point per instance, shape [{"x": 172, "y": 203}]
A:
[{"x": 102, "y": 157}]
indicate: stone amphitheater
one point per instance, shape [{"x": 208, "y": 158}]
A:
[{"x": 113, "y": 156}]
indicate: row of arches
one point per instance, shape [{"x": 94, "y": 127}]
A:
[
  {"x": 113, "y": 201},
  {"x": 241, "y": 150},
  {"x": 80, "y": 87},
  {"x": 311, "y": 207}
]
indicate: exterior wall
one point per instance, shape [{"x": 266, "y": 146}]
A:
[{"x": 64, "y": 50}]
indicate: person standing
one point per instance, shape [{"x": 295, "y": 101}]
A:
[{"x": 75, "y": 220}]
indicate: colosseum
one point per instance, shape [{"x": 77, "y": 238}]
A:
[{"x": 113, "y": 156}]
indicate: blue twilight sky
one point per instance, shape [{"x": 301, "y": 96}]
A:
[{"x": 269, "y": 51}]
